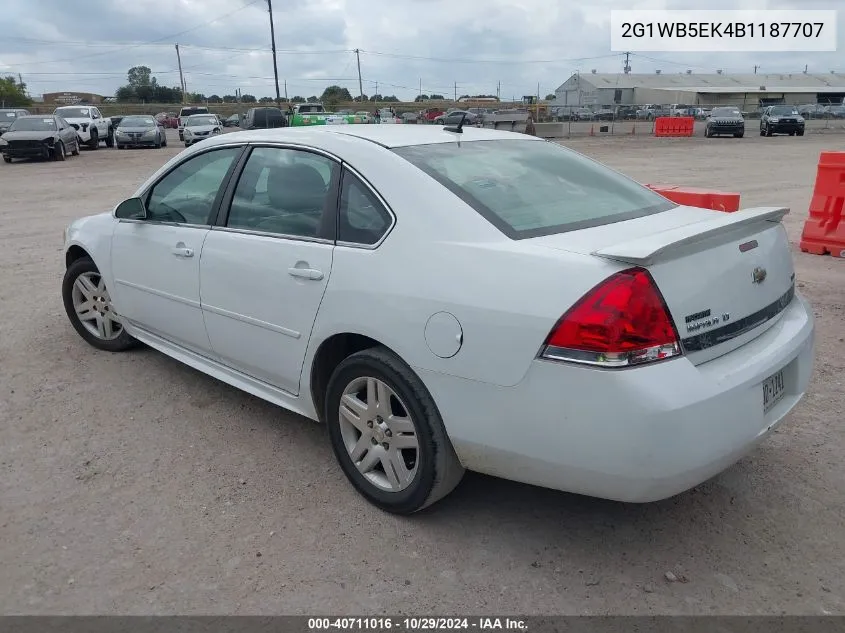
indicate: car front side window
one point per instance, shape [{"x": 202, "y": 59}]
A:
[
  {"x": 186, "y": 194},
  {"x": 284, "y": 191}
]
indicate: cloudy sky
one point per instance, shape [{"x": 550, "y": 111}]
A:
[{"x": 88, "y": 45}]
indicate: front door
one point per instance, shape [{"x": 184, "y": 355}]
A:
[
  {"x": 264, "y": 273},
  {"x": 155, "y": 261}
]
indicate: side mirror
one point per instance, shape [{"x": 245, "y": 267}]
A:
[{"x": 131, "y": 209}]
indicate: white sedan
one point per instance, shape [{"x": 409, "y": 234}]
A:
[
  {"x": 199, "y": 127},
  {"x": 445, "y": 301}
]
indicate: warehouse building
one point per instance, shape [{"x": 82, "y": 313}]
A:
[{"x": 747, "y": 91}]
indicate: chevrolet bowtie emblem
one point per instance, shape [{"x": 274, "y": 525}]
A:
[{"x": 759, "y": 275}]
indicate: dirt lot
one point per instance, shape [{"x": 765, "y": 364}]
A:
[{"x": 131, "y": 484}]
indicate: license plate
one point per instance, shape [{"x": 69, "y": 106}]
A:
[{"x": 773, "y": 391}]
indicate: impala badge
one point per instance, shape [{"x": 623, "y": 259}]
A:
[{"x": 759, "y": 275}]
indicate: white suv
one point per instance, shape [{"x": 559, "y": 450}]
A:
[{"x": 91, "y": 126}]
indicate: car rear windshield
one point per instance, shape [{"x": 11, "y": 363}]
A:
[
  {"x": 189, "y": 111},
  {"x": 533, "y": 188},
  {"x": 33, "y": 124}
]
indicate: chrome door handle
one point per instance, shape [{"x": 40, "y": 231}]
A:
[
  {"x": 306, "y": 273},
  {"x": 181, "y": 251}
]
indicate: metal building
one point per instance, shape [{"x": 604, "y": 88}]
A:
[{"x": 748, "y": 91}]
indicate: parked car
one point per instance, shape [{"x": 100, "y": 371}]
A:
[
  {"x": 419, "y": 373},
  {"x": 626, "y": 113},
  {"x": 430, "y": 114},
  {"x": 651, "y": 112},
  {"x": 812, "y": 110},
  {"x": 140, "y": 131},
  {"x": 263, "y": 118},
  {"x": 199, "y": 127},
  {"x": 365, "y": 116},
  {"x": 605, "y": 114},
  {"x": 410, "y": 117},
  {"x": 233, "y": 120},
  {"x": 388, "y": 115},
  {"x": 91, "y": 126},
  {"x": 168, "y": 120},
  {"x": 7, "y": 117},
  {"x": 781, "y": 119},
  {"x": 582, "y": 114},
  {"x": 725, "y": 120},
  {"x": 39, "y": 136},
  {"x": 836, "y": 112},
  {"x": 184, "y": 113},
  {"x": 455, "y": 117}
]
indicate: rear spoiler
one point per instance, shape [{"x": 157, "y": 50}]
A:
[{"x": 642, "y": 251}]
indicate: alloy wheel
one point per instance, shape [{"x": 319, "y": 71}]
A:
[
  {"x": 93, "y": 307},
  {"x": 379, "y": 434}
]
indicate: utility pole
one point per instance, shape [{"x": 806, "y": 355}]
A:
[
  {"x": 181, "y": 77},
  {"x": 456, "y": 92},
  {"x": 755, "y": 68},
  {"x": 627, "y": 67},
  {"x": 273, "y": 44},
  {"x": 498, "y": 90},
  {"x": 360, "y": 83},
  {"x": 286, "y": 90},
  {"x": 420, "y": 88}
]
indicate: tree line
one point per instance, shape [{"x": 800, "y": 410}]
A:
[
  {"x": 143, "y": 87},
  {"x": 13, "y": 92}
]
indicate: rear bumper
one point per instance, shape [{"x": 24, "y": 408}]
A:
[{"x": 635, "y": 435}]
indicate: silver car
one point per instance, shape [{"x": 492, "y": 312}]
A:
[
  {"x": 140, "y": 131},
  {"x": 201, "y": 126}
]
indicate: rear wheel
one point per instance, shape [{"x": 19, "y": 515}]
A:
[
  {"x": 387, "y": 433},
  {"x": 75, "y": 150},
  {"x": 88, "y": 306},
  {"x": 94, "y": 143},
  {"x": 110, "y": 138}
]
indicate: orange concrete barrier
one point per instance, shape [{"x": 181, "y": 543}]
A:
[
  {"x": 702, "y": 198},
  {"x": 824, "y": 231},
  {"x": 674, "y": 126}
]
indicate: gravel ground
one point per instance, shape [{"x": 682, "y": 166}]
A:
[{"x": 132, "y": 484}]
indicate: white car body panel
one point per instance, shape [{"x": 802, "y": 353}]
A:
[
  {"x": 636, "y": 434},
  {"x": 102, "y": 124}
]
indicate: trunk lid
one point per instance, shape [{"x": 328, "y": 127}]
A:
[{"x": 725, "y": 277}]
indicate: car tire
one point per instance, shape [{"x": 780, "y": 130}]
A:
[
  {"x": 7, "y": 159},
  {"x": 110, "y": 138},
  {"x": 768, "y": 131},
  {"x": 739, "y": 134},
  {"x": 430, "y": 473},
  {"x": 800, "y": 133},
  {"x": 59, "y": 153},
  {"x": 164, "y": 140},
  {"x": 181, "y": 136},
  {"x": 119, "y": 146},
  {"x": 187, "y": 144},
  {"x": 94, "y": 141},
  {"x": 111, "y": 338},
  {"x": 707, "y": 132},
  {"x": 75, "y": 151}
]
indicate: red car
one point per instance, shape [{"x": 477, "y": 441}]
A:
[
  {"x": 432, "y": 113},
  {"x": 168, "y": 119}
]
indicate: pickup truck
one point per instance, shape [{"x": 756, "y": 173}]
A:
[
  {"x": 306, "y": 114},
  {"x": 91, "y": 126},
  {"x": 651, "y": 112}
]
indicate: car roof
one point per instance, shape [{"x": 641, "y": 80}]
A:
[
  {"x": 38, "y": 116},
  {"x": 389, "y": 136}
]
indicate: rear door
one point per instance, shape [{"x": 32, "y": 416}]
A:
[{"x": 265, "y": 267}]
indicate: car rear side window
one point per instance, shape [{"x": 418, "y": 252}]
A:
[
  {"x": 362, "y": 219},
  {"x": 528, "y": 188}
]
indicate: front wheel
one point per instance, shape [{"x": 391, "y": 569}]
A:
[
  {"x": 7, "y": 159},
  {"x": 387, "y": 433},
  {"x": 75, "y": 151},
  {"x": 800, "y": 132},
  {"x": 94, "y": 142},
  {"x": 739, "y": 134},
  {"x": 88, "y": 306},
  {"x": 110, "y": 138},
  {"x": 59, "y": 152}
]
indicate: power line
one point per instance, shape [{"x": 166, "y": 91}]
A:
[{"x": 453, "y": 60}]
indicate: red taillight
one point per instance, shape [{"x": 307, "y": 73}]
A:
[{"x": 621, "y": 322}]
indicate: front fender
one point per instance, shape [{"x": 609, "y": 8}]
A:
[{"x": 93, "y": 235}]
